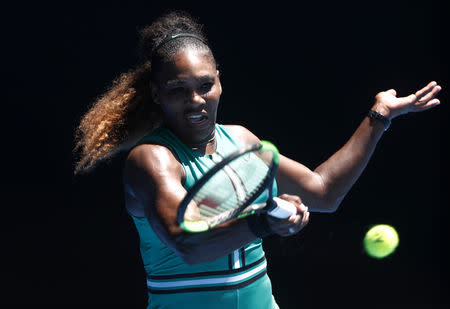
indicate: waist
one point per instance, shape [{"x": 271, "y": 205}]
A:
[{"x": 207, "y": 281}]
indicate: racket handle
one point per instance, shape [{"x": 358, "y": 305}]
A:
[{"x": 283, "y": 209}]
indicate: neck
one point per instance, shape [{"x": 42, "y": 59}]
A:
[{"x": 205, "y": 147}]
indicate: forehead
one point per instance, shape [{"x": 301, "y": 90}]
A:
[{"x": 187, "y": 64}]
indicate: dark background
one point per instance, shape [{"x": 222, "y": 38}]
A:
[{"x": 301, "y": 75}]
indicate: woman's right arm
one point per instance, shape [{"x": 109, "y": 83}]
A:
[{"x": 155, "y": 177}]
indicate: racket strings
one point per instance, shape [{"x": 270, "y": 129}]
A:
[{"x": 232, "y": 186}]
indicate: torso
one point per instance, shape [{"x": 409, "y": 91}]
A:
[{"x": 135, "y": 207}]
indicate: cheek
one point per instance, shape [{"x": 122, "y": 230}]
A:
[
  {"x": 214, "y": 94},
  {"x": 170, "y": 110},
  {"x": 212, "y": 103},
  {"x": 171, "y": 104}
]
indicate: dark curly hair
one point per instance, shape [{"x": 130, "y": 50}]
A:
[{"x": 125, "y": 112}]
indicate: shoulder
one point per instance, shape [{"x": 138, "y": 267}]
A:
[
  {"x": 243, "y": 134},
  {"x": 148, "y": 169},
  {"x": 149, "y": 152},
  {"x": 153, "y": 160}
]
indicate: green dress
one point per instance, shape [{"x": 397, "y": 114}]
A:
[{"x": 237, "y": 280}]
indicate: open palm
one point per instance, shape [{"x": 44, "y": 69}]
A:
[{"x": 389, "y": 105}]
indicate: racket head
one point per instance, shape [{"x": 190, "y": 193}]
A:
[{"x": 223, "y": 192}]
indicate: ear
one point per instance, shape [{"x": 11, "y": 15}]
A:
[
  {"x": 218, "y": 80},
  {"x": 154, "y": 89}
]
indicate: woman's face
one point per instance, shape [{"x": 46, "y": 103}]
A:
[{"x": 188, "y": 90}]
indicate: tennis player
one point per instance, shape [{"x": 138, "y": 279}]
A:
[{"x": 164, "y": 113}]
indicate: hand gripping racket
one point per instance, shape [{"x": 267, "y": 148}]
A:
[{"x": 228, "y": 190}]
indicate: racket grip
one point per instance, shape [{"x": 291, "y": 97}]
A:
[{"x": 283, "y": 209}]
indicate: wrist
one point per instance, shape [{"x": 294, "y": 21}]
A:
[
  {"x": 377, "y": 116},
  {"x": 382, "y": 110}
]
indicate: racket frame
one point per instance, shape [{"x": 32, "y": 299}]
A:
[{"x": 204, "y": 225}]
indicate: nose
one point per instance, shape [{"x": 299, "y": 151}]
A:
[{"x": 196, "y": 98}]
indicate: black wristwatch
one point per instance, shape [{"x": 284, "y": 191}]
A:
[{"x": 375, "y": 115}]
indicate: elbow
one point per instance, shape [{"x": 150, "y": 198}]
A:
[
  {"x": 332, "y": 207},
  {"x": 326, "y": 203},
  {"x": 324, "y": 207},
  {"x": 331, "y": 204},
  {"x": 334, "y": 203}
]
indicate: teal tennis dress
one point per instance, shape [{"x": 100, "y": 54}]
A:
[{"x": 236, "y": 281}]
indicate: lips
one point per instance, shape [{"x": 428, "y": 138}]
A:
[{"x": 197, "y": 119}]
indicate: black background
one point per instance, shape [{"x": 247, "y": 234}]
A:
[{"x": 301, "y": 75}]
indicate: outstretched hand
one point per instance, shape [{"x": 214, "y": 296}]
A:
[{"x": 387, "y": 103}]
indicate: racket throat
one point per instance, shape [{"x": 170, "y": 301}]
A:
[
  {"x": 270, "y": 203},
  {"x": 267, "y": 206}
]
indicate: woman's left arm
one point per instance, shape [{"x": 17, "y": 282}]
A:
[{"x": 323, "y": 189}]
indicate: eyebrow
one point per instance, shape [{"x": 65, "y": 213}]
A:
[{"x": 178, "y": 81}]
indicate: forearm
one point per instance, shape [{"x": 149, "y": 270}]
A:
[
  {"x": 325, "y": 187},
  {"x": 341, "y": 170},
  {"x": 195, "y": 248}
]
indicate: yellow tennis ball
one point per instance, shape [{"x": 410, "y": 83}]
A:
[{"x": 380, "y": 241}]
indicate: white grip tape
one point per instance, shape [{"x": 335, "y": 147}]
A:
[{"x": 283, "y": 210}]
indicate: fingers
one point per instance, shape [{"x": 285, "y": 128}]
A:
[
  {"x": 426, "y": 93},
  {"x": 305, "y": 219},
  {"x": 300, "y": 220},
  {"x": 295, "y": 219},
  {"x": 294, "y": 199},
  {"x": 302, "y": 210},
  {"x": 423, "y": 99},
  {"x": 429, "y": 95},
  {"x": 407, "y": 100},
  {"x": 296, "y": 222},
  {"x": 420, "y": 93},
  {"x": 428, "y": 105}
]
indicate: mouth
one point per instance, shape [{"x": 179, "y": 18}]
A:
[{"x": 197, "y": 119}]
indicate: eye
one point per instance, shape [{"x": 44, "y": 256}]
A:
[
  {"x": 176, "y": 91},
  {"x": 205, "y": 87}
]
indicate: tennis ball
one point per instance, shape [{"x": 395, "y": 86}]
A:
[{"x": 380, "y": 241}]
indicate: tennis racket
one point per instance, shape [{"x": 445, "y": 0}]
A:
[{"x": 229, "y": 189}]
